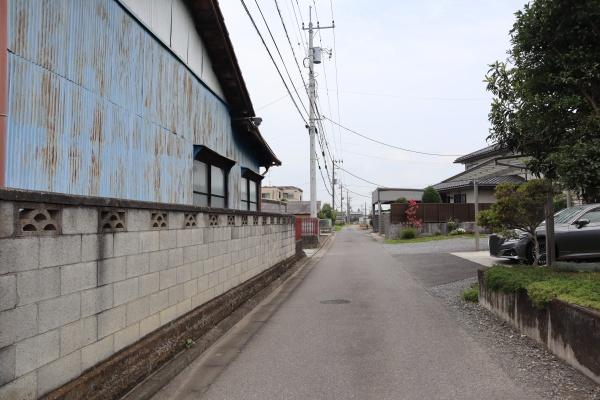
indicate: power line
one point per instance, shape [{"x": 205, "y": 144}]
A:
[
  {"x": 391, "y": 145},
  {"x": 280, "y": 56},
  {"x": 272, "y": 102},
  {"x": 290, "y": 43},
  {"x": 358, "y": 194},
  {"x": 273, "y": 61},
  {"x": 322, "y": 177},
  {"x": 358, "y": 177}
]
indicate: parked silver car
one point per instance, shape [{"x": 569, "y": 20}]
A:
[{"x": 577, "y": 237}]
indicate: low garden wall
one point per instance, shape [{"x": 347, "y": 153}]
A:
[
  {"x": 427, "y": 228},
  {"x": 571, "y": 332},
  {"x": 97, "y": 293}
]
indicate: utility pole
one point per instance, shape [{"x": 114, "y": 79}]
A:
[
  {"x": 348, "y": 210},
  {"x": 333, "y": 182},
  {"x": 314, "y": 57}
]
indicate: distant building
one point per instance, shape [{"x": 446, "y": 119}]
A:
[
  {"x": 285, "y": 193},
  {"x": 489, "y": 167},
  {"x": 300, "y": 209}
]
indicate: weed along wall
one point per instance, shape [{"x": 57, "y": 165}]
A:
[
  {"x": 96, "y": 293},
  {"x": 571, "y": 332}
]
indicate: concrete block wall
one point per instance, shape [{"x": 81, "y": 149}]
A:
[{"x": 72, "y": 296}]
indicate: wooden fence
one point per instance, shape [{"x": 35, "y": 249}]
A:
[{"x": 437, "y": 212}]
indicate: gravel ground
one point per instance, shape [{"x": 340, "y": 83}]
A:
[
  {"x": 437, "y": 246},
  {"x": 534, "y": 368}
]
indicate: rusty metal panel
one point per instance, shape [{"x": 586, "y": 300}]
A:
[{"x": 100, "y": 107}]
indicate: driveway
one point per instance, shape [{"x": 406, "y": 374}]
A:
[{"x": 360, "y": 325}]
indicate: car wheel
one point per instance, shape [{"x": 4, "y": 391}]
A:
[{"x": 530, "y": 254}]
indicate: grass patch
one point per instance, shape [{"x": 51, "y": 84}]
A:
[
  {"x": 421, "y": 239},
  {"x": 338, "y": 227},
  {"x": 471, "y": 294},
  {"x": 546, "y": 284}
]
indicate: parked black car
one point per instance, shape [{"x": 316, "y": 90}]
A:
[{"x": 577, "y": 237}]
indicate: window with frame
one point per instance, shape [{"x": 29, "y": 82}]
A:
[
  {"x": 250, "y": 189},
  {"x": 210, "y": 173},
  {"x": 460, "y": 198}
]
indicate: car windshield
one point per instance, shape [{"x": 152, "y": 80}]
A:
[{"x": 566, "y": 215}]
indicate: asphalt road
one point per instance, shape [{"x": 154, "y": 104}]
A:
[{"x": 388, "y": 338}]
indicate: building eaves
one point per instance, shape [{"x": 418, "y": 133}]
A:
[
  {"x": 479, "y": 154},
  {"x": 210, "y": 24},
  {"x": 492, "y": 181}
]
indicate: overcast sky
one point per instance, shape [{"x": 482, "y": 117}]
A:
[{"x": 409, "y": 73}]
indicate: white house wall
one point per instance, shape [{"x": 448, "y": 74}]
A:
[{"x": 171, "y": 22}]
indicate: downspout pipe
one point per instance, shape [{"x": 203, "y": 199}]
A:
[{"x": 3, "y": 89}]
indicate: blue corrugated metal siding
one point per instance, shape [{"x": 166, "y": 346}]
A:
[{"x": 97, "y": 106}]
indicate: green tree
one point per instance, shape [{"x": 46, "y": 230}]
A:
[
  {"x": 430, "y": 195},
  {"x": 327, "y": 213},
  {"x": 517, "y": 207},
  {"x": 401, "y": 200},
  {"x": 547, "y": 93}
]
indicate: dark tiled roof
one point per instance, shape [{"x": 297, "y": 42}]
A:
[
  {"x": 492, "y": 181},
  {"x": 481, "y": 153}
]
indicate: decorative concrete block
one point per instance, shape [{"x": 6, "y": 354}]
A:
[
  {"x": 7, "y": 364},
  {"x": 7, "y": 216},
  {"x": 184, "y": 273},
  {"x": 176, "y": 220},
  {"x": 126, "y": 243},
  {"x": 190, "y": 254},
  {"x": 78, "y": 334},
  {"x": 96, "y": 352},
  {"x": 18, "y": 324},
  {"x": 59, "y": 311},
  {"x": 96, "y": 247},
  {"x": 167, "y": 239},
  {"x": 19, "y": 254},
  {"x": 59, "y": 372},
  {"x": 175, "y": 257},
  {"x": 138, "y": 310},
  {"x": 60, "y": 250},
  {"x": 126, "y": 291},
  {"x": 8, "y": 292},
  {"x": 96, "y": 300},
  {"x": 149, "y": 241},
  {"x": 184, "y": 237},
  {"x": 112, "y": 270},
  {"x": 159, "y": 260},
  {"x": 23, "y": 388},
  {"x": 149, "y": 324},
  {"x": 34, "y": 352},
  {"x": 77, "y": 220},
  {"x": 111, "y": 321},
  {"x": 137, "y": 264},
  {"x": 149, "y": 283},
  {"x": 127, "y": 336},
  {"x": 78, "y": 277}
]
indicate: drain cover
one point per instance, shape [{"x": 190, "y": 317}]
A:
[{"x": 335, "y": 301}]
